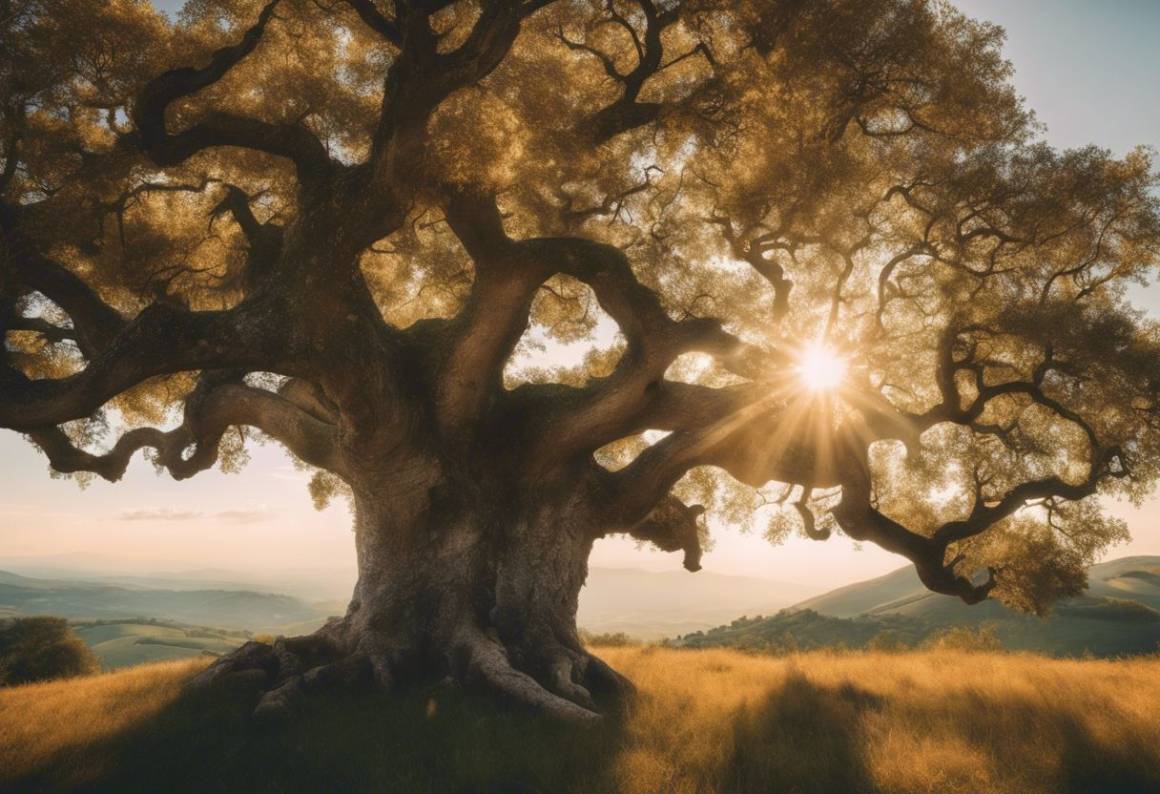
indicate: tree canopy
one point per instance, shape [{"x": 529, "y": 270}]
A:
[{"x": 350, "y": 224}]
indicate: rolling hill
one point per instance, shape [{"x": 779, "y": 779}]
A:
[
  {"x": 643, "y": 604},
  {"x": 650, "y": 606},
  {"x": 125, "y": 643},
  {"x": 133, "y": 619},
  {"x": 229, "y": 609},
  {"x": 1118, "y": 614},
  {"x": 901, "y": 593}
]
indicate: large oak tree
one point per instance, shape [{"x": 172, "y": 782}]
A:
[{"x": 348, "y": 225}]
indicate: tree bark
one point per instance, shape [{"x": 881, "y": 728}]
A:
[{"x": 480, "y": 584}]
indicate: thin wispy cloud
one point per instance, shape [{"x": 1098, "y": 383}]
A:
[
  {"x": 159, "y": 514},
  {"x": 169, "y": 515}
]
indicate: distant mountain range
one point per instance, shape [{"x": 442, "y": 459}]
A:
[
  {"x": 99, "y": 600},
  {"x": 132, "y": 618},
  {"x": 1118, "y": 614},
  {"x": 640, "y": 603}
]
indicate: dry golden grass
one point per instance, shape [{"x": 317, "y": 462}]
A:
[
  {"x": 717, "y": 720},
  {"x": 706, "y": 721},
  {"x": 41, "y": 723}
]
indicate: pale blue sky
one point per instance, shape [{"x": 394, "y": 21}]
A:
[{"x": 1090, "y": 69}]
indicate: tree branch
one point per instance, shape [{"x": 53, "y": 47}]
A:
[
  {"x": 374, "y": 19},
  {"x": 673, "y": 526},
  {"x": 610, "y": 407},
  {"x": 221, "y": 128},
  {"x": 94, "y": 321},
  {"x": 483, "y": 336},
  {"x": 210, "y": 410},
  {"x": 161, "y": 340},
  {"x": 421, "y": 78},
  {"x": 627, "y": 112}
]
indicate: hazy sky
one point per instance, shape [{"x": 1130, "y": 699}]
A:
[{"x": 1090, "y": 69}]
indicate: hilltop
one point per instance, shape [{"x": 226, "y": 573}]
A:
[
  {"x": 1119, "y": 614},
  {"x": 705, "y": 721}
]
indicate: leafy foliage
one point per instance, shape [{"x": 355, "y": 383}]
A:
[
  {"x": 388, "y": 205},
  {"x": 41, "y": 649}
]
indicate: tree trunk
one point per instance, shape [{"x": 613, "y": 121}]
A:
[{"x": 450, "y": 584}]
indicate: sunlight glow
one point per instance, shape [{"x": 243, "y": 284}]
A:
[{"x": 820, "y": 367}]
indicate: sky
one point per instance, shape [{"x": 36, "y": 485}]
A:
[{"x": 1089, "y": 68}]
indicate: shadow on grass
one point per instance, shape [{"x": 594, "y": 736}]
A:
[
  {"x": 809, "y": 738},
  {"x": 1091, "y": 752},
  {"x": 801, "y": 737},
  {"x": 431, "y": 740}
]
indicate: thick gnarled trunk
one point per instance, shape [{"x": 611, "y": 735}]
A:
[{"x": 475, "y": 589}]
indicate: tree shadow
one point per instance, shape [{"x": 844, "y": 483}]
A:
[
  {"x": 430, "y": 739},
  {"x": 800, "y": 738},
  {"x": 805, "y": 737},
  {"x": 1010, "y": 731}
]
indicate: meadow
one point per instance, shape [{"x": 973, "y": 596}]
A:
[{"x": 704, "y": 721}]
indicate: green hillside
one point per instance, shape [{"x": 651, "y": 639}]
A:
[
  {"x": 1118, "y": 615},
  {"x": 126, "y": 643},
  {"x": 230, "y": 609},
  {"x": 900, "y": 592}
]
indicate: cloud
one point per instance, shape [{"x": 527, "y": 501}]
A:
[
  {"x": 166, "y": 514},
  {"x": 159, "y": 514}
]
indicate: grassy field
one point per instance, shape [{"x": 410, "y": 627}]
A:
[
  {"x": 706, "y": 721},
  {"x": 127, "y": 643}
]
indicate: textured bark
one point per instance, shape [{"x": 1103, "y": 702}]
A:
[{"x": 484, "y": 590}]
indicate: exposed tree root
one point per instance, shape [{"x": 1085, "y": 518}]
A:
[
  {"x": 489, "y": 670},
  {"x": 282, "y": 673}
]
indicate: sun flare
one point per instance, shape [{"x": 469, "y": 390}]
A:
[{"x": 820, "y": 368}]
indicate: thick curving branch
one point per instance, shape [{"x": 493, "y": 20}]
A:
[
  {"x": 210, "y": 410},
  {"x": 219, "y": 128},
  {"x": 161, "y": 340},
  {"x": 612, "y": 407},
  {"x": 635, "y": 491},
  {"x": 746, "y": 424},
  {"x": 95, "y": 323},
  {"x": 483, "y": 336},
  {"x": 421, "y": 77},
  {"x": 861, "y": 521},
  {"x": 508, "y": 273},
  {"x": 264, "y": 240}
]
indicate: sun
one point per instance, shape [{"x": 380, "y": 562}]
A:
[{"x": 820, "y": 368}]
